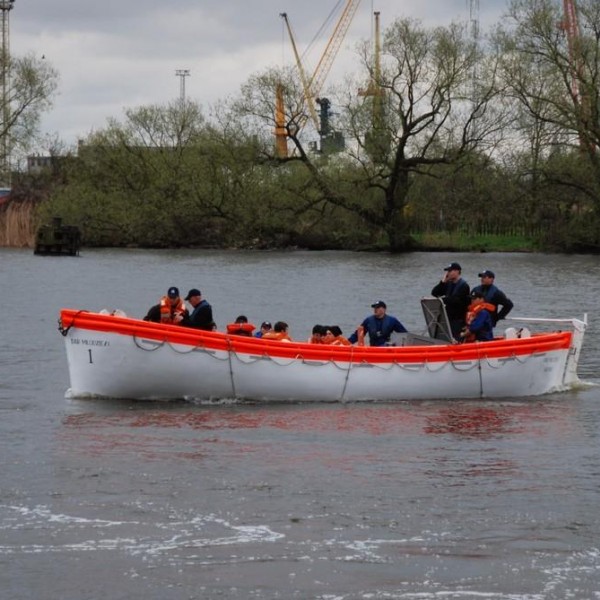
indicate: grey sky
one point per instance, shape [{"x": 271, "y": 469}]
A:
[{"x": 115, "y": 54}]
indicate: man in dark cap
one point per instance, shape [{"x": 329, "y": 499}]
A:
[
  {"x": 379, "y": 327},
  {"x": 493, "y": 295},
  {"x": 454, "y": 292},
  {"x": 201, "y": 317}
]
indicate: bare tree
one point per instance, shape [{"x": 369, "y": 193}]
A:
[
  {"x": 432, "y": 109},
  {"x": 553, "y": 72},
  {"x": 33, "y": 82}
]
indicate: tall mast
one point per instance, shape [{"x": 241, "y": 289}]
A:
[{"x": 5, "y": 175}]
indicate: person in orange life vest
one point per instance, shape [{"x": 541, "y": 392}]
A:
[
  {"x": 279, "y": 332},
  {"x": 170, "y": 309},
  {"x": 479, "y": 322},
  {"x": 264, "y": 328},
  {"x": 334, "y": 337},
  {"x": 317, "y": 335},
  {"x": 241, "y": 327}
]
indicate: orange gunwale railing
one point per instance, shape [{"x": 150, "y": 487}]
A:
[{"x": 213, "y": 340}]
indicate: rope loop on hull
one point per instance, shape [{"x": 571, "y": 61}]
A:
[{"x": 64, "y": 331}]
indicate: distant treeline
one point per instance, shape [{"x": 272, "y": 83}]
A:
[
  {"x": 223, "y": 198},
  {"x": 498, "y": 138}
]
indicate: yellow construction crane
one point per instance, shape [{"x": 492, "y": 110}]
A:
[
  {"x": 374, "y": 88},
  {"x": 313, "y": 85}
]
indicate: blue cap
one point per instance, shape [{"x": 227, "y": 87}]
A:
[
  {"x": 173, "y": 292},
  {"x": 378, "y": 304}
]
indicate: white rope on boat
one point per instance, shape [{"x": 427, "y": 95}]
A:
[
  {"x": 412, "y": 367},
  {"x": 428, "y": 368},
  {"x": 159, "y": 344},
  {"x": 526, "y": 357},
  {"x": 192, "y": 349},
  {"x": 290, "y": 362},
  {"x": 156, "y": 344},
  {"x": 472, "y": 365}
]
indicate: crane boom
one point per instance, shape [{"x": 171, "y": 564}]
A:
[
  {"x": 571, "y": 27},
  {"x": 335, "y": 41},
  {"x": 581, "y": 99},
  {"x": 303, "y": 78},
  {"x": 312, "y": 87}
]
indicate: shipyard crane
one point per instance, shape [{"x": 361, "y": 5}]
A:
[
  {"x": 377, "y": 139},
  {"x": 570, "y": 25},
  {"x": 374, "y": 88},
  {"x": 5, "y": 159},
  {"x": 312, "y": 85}
]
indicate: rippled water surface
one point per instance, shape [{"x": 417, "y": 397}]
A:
[{"x": 160, "y": 501}]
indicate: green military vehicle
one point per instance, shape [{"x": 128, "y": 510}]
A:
[{"x": 57, "y": 239}]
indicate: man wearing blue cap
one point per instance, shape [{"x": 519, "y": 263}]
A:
[
  {"x": 494, "y": 295},
  {"x": 454, "y": 292},
  {"x": 170, "y": 310},
  {"x": 379, "y": 327}
]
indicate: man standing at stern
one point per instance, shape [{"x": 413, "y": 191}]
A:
[
  {"x": 454, "y": 292},
  {"x": 494, "y": 296}
]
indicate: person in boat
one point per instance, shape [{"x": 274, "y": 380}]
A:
[
  {"x": 379, "y": 327},
  {"x": 317, "y": 334},
  {"x": 241, "y": 326},
  {"x": 334, "y": 337},
  {"x": 494, "y": 295},
  {"x": 479, "y": 322},
  {"x": 454, "y": 292},
  {"x": 201, "y": 316},
  {"x": 171, "y": 309},
  {"x": 265, "y": 327},
  {"x": 278, "y": 333}
]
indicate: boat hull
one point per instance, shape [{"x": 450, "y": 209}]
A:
[{"x": 111, "y": 356}]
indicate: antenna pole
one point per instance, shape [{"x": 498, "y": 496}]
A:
[
  {"x": 182, "y": 74},
  {"x": 5, "y": 174}
]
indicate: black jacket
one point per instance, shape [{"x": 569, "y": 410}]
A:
[
  {"x": 201, "y": 317},
  {"x": 455, "y": 296}
]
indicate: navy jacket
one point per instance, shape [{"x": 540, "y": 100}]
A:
[
  {"x": 379, "y": 330},
  {"x": 201, "y": 317}
]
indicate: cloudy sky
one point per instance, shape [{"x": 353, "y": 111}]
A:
[{"x": 116, "y": 54}]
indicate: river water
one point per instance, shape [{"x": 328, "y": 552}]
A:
[{"x": 168, "y": 501}]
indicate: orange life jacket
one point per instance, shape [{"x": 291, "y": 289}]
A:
[
  {"x": 241, "y": 328},
  {"x": 476, "y": 308},
  {"x": 473, "y": 310},
  {"x": 335, "y": 340},
  {"x": 279, "y": 336},
  {"x": 340, "y": 340},
  {"x": 169, "y": 311}
]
